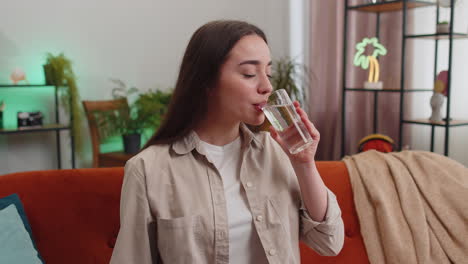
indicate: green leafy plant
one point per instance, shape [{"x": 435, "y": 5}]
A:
[
  {"x": 443, "y": 23},
  {"x": 145, "y": 111},
  {"x": 58, "y": 71},
  {"x": 288, "y": 75},
  {"x": 152, "y": 106}
]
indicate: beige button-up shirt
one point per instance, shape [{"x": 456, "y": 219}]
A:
[{"x": 173, "y": 207}]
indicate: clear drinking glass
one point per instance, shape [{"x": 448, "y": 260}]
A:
[{"x": 282, "y": 115}]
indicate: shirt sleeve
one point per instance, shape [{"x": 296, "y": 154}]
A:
[
  {"x": 136, "y": 242},
  {"x": 326, "y": 237}
]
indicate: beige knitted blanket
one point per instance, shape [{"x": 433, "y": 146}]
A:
[{"x": 412, "y": 206}]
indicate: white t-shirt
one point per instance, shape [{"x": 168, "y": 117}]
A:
[{"x": 244, "y": 243}]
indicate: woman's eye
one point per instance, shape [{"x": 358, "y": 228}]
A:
[
  {"x": 269, "y": 76},
  {"x": 249, "y": 75}
]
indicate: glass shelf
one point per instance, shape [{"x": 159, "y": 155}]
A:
[
  {"x": 439, "y": 36},
  {"x": 388, "y": 90},
  {"x": 48, "y": 127},
  {"x": 390, "y": 6},
  {"x": 425, "y": 121}
]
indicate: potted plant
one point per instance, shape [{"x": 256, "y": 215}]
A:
[
  {"x": 291, "y": 76},
  {"x": 58, "y": 71},
  {"x": 145, "y": 111},
  {"x": 286, "y": 75},
  {"x": 443, "y": 27}
]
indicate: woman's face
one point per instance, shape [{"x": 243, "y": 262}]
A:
[{"x": 243, "y": 85}]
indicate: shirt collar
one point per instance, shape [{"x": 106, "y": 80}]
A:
[{"x": 191, "y": 141}]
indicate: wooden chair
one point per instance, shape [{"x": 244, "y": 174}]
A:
[{"x": 112, "y": 159}]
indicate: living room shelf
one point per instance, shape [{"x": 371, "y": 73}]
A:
[
  {"x": 376, "y": 9},
  {"x": 390, "y": 6},
  {"x": 55, "y": 127},
  {"x": 48, "y": 127},
  {"x": 439, "y": 36},
  {"x": 24, "y": 85},
  {"x": 452, "y": 123},
  {"x": 395, "y": 90}
]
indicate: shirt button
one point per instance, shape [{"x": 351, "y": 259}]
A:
[
  {"x": 259, "y": 218},
  {"x": 222, "y": 234},
  {"x": 272, "y": 252},
  {"x": 249, "y": 184}
]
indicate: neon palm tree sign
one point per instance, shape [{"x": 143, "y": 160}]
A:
[{"x": 370, "y": 61}]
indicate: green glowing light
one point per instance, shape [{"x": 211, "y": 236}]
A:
[
  {"x": 111, "y": 144},
  {"x": 115, "y": 143},
  {"x": 28, "y": 99},
  {"x": 362, "y": 60}
]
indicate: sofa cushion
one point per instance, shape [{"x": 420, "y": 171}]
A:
[
  {"x": 336, "y": 178},
  {"x": 15, "y": 233},
  {"x": 74, "y": 214}
]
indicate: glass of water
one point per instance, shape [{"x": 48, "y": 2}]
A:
[{"x": 282, "y": 115}]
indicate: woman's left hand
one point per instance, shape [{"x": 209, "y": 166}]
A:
[{"x": 308, "y": 154}]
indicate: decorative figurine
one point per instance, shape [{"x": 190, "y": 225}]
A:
[
  {"x": 438, "y": 97},
  {"x": 18, "y": 75}
]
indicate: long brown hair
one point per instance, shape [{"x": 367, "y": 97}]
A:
[{"x": 205, "y": 54}]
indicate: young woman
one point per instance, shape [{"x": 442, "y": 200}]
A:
[{"x": 206, "y": 189}]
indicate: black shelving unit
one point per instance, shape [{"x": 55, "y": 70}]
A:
[
  {"x": 55, "y": 127},
  {"x": 403, "y": 6}
]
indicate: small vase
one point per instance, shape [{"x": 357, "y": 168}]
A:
[
  {"x": 437, "y": 100},
  {"x": 131, "y": 143}
]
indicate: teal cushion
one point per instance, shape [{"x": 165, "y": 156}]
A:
[{"x": 15, "y": 233}]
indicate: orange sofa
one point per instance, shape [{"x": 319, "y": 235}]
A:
[{"x": 74, "y": 214}]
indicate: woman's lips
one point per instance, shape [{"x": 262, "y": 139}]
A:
[{"x": 260, "y": 106}]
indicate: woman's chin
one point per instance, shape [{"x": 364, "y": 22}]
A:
[{"x": 256, "y": 122}]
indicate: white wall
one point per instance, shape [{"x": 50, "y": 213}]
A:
[
  {"x": 138, "y": 41},
  {"x": 299, "y": 39},
  {"x": 423, "y": 67}
]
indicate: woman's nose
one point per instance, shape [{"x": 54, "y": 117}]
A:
[{"x": 265, "y": 86}]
